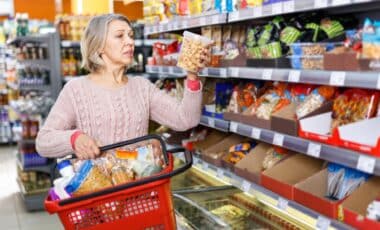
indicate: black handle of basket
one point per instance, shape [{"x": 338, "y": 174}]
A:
[{"x": 187, "y": 165}]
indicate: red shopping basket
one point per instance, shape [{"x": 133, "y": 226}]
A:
[{"x": 142, "y": 204}]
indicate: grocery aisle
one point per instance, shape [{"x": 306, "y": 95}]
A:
[{"x": 13, "y": 215}]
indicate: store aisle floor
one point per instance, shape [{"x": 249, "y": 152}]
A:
[{"x": 13, "y": 214}]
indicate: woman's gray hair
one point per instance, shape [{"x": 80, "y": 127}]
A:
[{"x": 93, "y": 40}]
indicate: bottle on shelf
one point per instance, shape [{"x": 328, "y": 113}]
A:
[{"x": 72, "y": 63}]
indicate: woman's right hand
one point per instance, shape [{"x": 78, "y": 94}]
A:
[{"x": 86, "y": 147}]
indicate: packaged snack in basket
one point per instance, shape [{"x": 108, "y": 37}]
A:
[
  {"x": 354, "y": 105},
  {"x": 192, "y": 47},
  {"x": 315, "y": 100},
  {"x": 273, "y": 156},
  {"x": 88, "y": 179},
  {"x": 121, "y": 175}
]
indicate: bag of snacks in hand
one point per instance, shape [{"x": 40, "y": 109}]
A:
[
  {"x": 191, "y": 50},
  {"x": 315, "y": 100}
]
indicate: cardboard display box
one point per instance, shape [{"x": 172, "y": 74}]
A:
[
  {"x": 215, "y": 153},
  {"x": 318, "y": 128},
  {"x": 283, "y": 176},
  {"x": 354, "y": 208},
  {"x": 285, "y": 120},
  {"x": 211, "y": 139},
  {"x": 250, "y": 167},
  {"x": 231, "y": 166},
  {"x": 245, "y": 118},
  {"x": 356, "y": 136},
  {"x": 347, "y": 61},
  {"x": 311, "y": 193}
]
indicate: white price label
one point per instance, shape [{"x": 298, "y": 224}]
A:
[
  {"x": 277, "y": 8},
  {"x": 233, "y": 16},
  {"x": 282, "y": 203},
  {"x": 289, "y": 6},
  {"x": 202, "y": 21},
  {"x": 366, "y": 164},
  {"x": 211, "y": 122},
  {"x": 234, "y": 72},
  {"x": 245, "y": 186},
  {"x": 171, "y": 70},
  {"x": 337, "y": 78},
  {"x": 233, "y": 127},
  {"x": 170, "y": 26},
  {"x": 340, "y": 2},
  {"x": 65, "y": 43},
  {"x": 257, "y": 11},
  {"x": 160, "y": 28},
  {"x": 278, "y": 139},
  {"x": 223, "y": 73},
  {"x": 215, "y": 19},
  {"x": 205, "y": 72},
  {"x": 219, "y": 173},
  {"x": 160, "y": 69},
  {"x": 320, "y": 3},
  {"x": 175, "y": 25},
  {"x": 267, "y": 74},
  {"x": 205, "y": 166},
  {"x": 256, "y": 133},
  {"x": 323, "y": 223},
  {"x": 294, "y": 76},
  {"x": 148, "y": 69},
  {"x": 184, "y": 24},
  {"x": 378, "y": 82},
  {"x": 314, "y": 150},
  {"x": 165, "y": 27}
]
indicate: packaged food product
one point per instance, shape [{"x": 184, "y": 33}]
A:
[
  {"x": 207, "y": 32},
  {"x": 299, "y": 92},
  {"x": 231, "y": 50},
  {"x": 371, "y": 39},
  {"x": 332, "y": 28},
  {"x": 334, "y": 179},
  {"x": 223, "y": 91},
  {"x": 230, "y": 213},
  {"x": 217, "y": 38},
  {"x": 354, "y": 105},
  {"x": 207, "y": 5},
  {"x": 307, "y": 62},
  {"x": 88, "y": 179},
  {"x": 192, "y": 47},
  {"x": 273, "y": 156},
  {"x": 315, "y": 100},
  {"x": 271, "y": 50},
  {"x": 183, "y": 7},
  {"x": 311, "y": 49},
  {"x": 238, "y": 152},
  {"x": 121, "y": 175},
  {"x": 289, "y": 35},
  {"x": 195, "y": 7}
]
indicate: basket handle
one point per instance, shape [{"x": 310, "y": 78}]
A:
[{"x": 187, "y": 165}]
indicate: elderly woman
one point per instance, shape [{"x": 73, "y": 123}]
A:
[{"x": 107, "y": 106}]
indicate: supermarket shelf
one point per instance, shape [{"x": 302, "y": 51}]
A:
[
  {"x": 293, "y": 6},
  {"x": 215, "y": 123},
  {"x": 166, "y": 70},
  {"x": 288, "y": 207},
  {"x": 30, "y": 38},
  {"x": 182, "y": 23},
  {"x": 352, "y": 159},
  {"x": 370, "y": 80},
  {"x": 68, "y": 44},
  {"x": 42, "y": 62},
  {"x": 35, "y": 87},
  {"x": 138, "y": 42},
  {"x": 150, "y": 42},
  {"x": 43, "y": 168},
  {"x": 34, "y": 201}
]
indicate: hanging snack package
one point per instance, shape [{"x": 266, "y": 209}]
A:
[
  {"x": 315, "y": 100},
  {"x": 191, "y": 50},
  {"x": 334, "y": 179},
  {"x": 88, "y": 179}
]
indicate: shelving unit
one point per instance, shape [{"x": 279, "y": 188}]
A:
[{"x": 288, "y": 207}]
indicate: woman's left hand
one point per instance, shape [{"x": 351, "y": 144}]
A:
[{"x": 204, "y": 61}]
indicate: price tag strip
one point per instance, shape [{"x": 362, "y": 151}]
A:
[
  {"x": 323, "y": 223},
  {"x": 320, "y": 3},
  {"x": 294, "y": 76},
  {"x": 245, "y": 186},
  {"x": 314, "y": 150},
  {"x": 278, "y": 139},
  {"x": 282, "y": 203},
  {"x": 337, "y": 78},
  {"x": 233, "y": 127},
  {"x": 211, "y": 122},
  {"x": 256, "y": 133},
  {"x": 267, "y": 74}
]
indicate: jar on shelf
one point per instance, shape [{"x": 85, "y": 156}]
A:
[{"x": 33, "y": 128}]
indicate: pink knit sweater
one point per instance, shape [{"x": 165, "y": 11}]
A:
[{"x": 113, "y": 115}]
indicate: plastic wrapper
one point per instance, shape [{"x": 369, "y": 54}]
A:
[
  {"x": 273, "y": 156},
  {"x": 195, "y": 7},
  {"x": 232, "y": 215},
  {"x": 307, "y": 62},
  {"x": 238, "y": 152},
  {"x": 121, "y": 175},
  {"x": 299, "y": 92},
  {"x": 334, "y": 179},
  {"x": 354, "y": 105},
  {"x": 315, "y": 100},
  {"x": 231, "y": 50},
  {"x": 371, "y": 40},
  {"x": 223, "y": 92},
  {"x": 190, "y": 55}
]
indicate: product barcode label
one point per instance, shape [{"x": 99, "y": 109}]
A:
[
  {"x": 366, "y": 164},
  {"x": 277, "y": 8},
  {"x": 267, "y": 74},
  {"x": 255, "y": 133},
  {"x": 337, "y": 78},
  {"x": 282, "y": 203},
  {"x": 294, "y": 76},
  {"x": 314, "y": 150},
  {"x": 289, "y": 6},
  {"x": 323, "y": 223},
  {"x": 340, "y": 2},
  {"x": 320, "y": 3},
  {"x": 211, "y": 122},
  {"x": 258, "y": 11},
  {"x": 233, "y": 16},
  {"x": 245, "y": 186},
  {"x": 278, "y": 139},
  {"x": 234, "y": 72},
  {"x": 233, "y": 127},
  {"x": 378, "y": 82},
  {"x": 223, "y": 73}
]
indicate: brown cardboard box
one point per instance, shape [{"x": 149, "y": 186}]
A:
[
  {"x": 354, "y": 208},
  {"x": 283, "y": 176},
  {"x": 250, "y": 166},
  {"x": 311, "y": 193},
  {"x": 285, "y": 120},
  {"x": 211, "y": 139},
  {"x": 215, "y": 153},
  {"x": 347, "y": 61}
]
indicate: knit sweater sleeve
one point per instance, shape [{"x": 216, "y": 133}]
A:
[
  {"x": 169, "y": 111},
  {"x": 53, "y": 139}
]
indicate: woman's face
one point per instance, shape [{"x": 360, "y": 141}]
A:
[{"x": 119, "y": 45}]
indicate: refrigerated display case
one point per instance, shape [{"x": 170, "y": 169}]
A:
[{"x": 202, "y": 202}]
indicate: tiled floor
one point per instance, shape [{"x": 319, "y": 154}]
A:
[{"x": 13, "y": 214}]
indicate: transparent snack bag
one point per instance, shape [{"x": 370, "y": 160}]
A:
[{"x": 191, "y": 50}]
